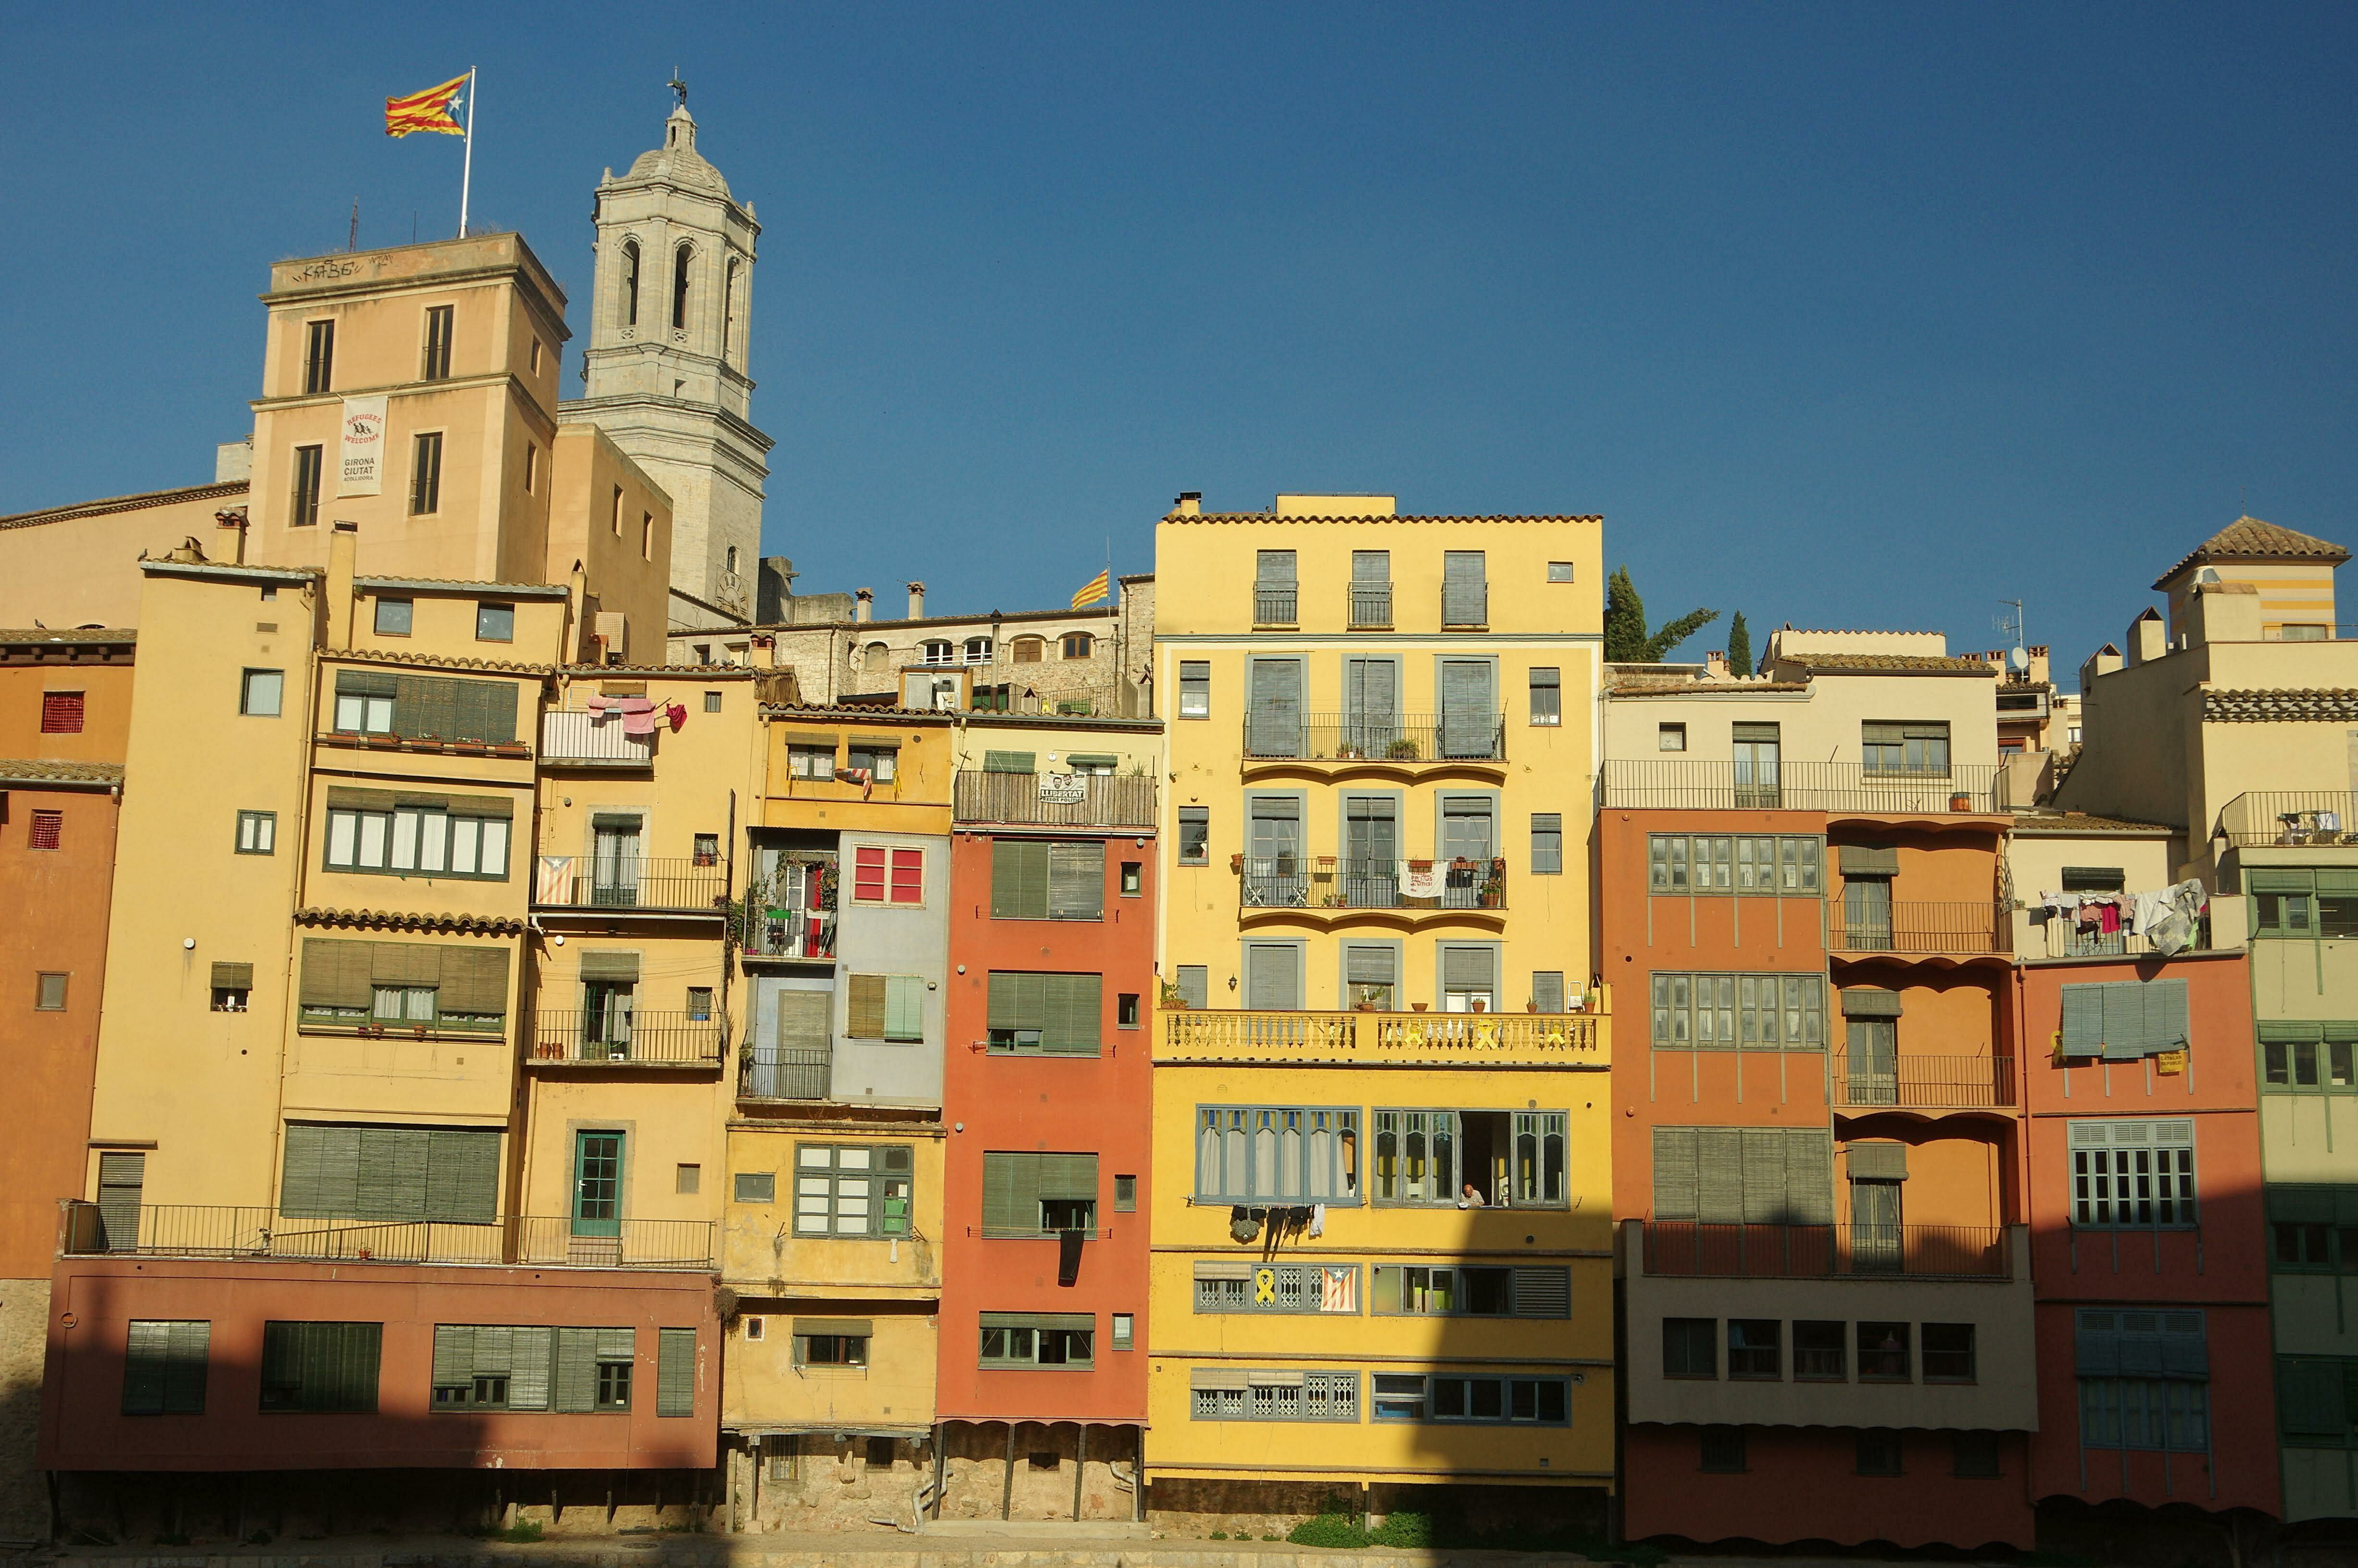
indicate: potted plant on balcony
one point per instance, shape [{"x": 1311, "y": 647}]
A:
[
  {"x": 1174, "y": 999},
  {"x": 469, "y": 748},
  {"x": 426, "y": 743},
  {"x": 1236, "y": 865},
  {"x": 1960, "y": 801},
  {"x": 510, "y": 749},
  {"x": 1402, "y": 750}
]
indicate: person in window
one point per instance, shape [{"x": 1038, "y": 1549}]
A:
[{"x": 1471, "y": 1198}]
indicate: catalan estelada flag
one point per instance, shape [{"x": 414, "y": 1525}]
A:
[
  {"x": 427, "y": 111},
  {"x": 1098, "y": 587}
]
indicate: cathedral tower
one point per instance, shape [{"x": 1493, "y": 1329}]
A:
[{"x": 664, "y": 369}]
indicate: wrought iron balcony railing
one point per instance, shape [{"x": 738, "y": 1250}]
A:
[
  {"x": 1939, "y": 1083},
  {"x": 1425, "y": 738},
  {"x": 1326, "y": 883},
  {"x": 211, "y": 1230},
  {"x": 587, "y": 1036},
  {"x": 1640, "y": 783},
  {"x": 696, "y": 884},
  {"x": 1827, "y": 1251},
  {"x": 1962, "y": 927}
]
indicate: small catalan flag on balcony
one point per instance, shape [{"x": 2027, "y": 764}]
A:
[
  {"x": 1097, "y": 588},
  {"x": 427, "y": 111}
]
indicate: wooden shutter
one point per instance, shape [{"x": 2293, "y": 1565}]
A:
[
  {"x": 610, "y": 964},
  {"x": 495, "y": 1350},
  {"x": 674, "y": 1371},
  {"x": 1371, "y": 966},
  {"x": 1809, "y": 1176},
  {"x": 1074, "y": 1005},
  {"x": 147, "y": 1357},
  {"x": 1370, "y": 691},
  {"x": 2084, "y": 1020},
  {"x": 462, "y": 1174},
  {"x": 232, "y": 977},
  {"x": 1867, "y": 860},
  {"x": 1675, "y": 1177},
  {"x": 1068, "y": 1175},
  {"x": 532, "y": 1354},
  {"x": 405, "y": 964},
  {"x": 299, "y": 1182},
  {"x": 391, "y": 1174},
  {"x": 336, "y": 973},
  {"x": 365, "y": 683},
  {"x": 2269, "y": 879},
  {"x": 1719, "y": 1175},
  {"x": 1873, "y": 1001},
  {"x": 475, "y": 979},
  {"x": 187, "y": 1347},
  {"x": 484, "y": 711},
  {"x": 454, "y": 1352},
  {"x": 1011, "y": 1195},
  {"x": 2309, "y": 1398},
  {"x": 1469, "y": 969},
  {"x": 618, "y": 1344},
  {"x": 1274, "y": 721},
  {"x": 866, "y": 1020},
  {"x": 1018, "y": 1001},
  {"x": 1077, "y": 880},
  {"x": 573, "y": 1383},
  {"x": 904, "y": 1008},
  {"x": 1272, "y": 976},
  {"x": 1009, "y": 761},
  {"x": 1764, "y": 1175},
  {"x": 1876, "y": 1162},
  {"x": 1019, "y": 879}
]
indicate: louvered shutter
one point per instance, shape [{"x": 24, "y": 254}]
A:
[
  {"x": 365, "y": 683},
  {"x": 2084, "y": 1020},
  {"x": 1468, "y": 969},
  {"x": 232, "y": 977},
  {"x": 1464, "y": 601},
  {"x": 1876, "y": 1162},
  {"x": 1371, "y": 966},
  {"x": 1873, "y": 1001},
  {"x": 1018, "y": 1001},
  {"x": 462, "y": 1175},
  {"x": 1468, "y": 718},
  {"x": 1273, "y": 723},
  {"x": 2265, "y": 879},
  {"x": 147, "y": 1357},
  {"x": 1675, "y": 1181},
  {"x": 495, "y": 1350},
  {"x": 1272, "y": 976},
  {"x": 336, "y": 973},
  {"x": 1011, "y": 1195},
  {"x": 1719, "y": 1175},
  {"x": 1008, "y": 762},
  {"x": 1072, "y": 1008},
  {"x": 406, "y": 964},
  {"x": 475, "y": 979},
  {"x": 426, "y": 705},
  {"x": 1543, "y": 1292},
  {"x": 299, "y": 1183},
  {"x": 674, "y": 1372},
  {"x": 323, "y": 1166},
  {"x": 531, "y": 1355},
  {"x": 1370, "y": 693},
  {"x": 391, "y": 1174},
  {"x": 1809, "y": 1176},
  {"x": 1547, "y": 990},
  {"x": 454, "y": 1352},
  {"x": 2311, "y": 1398},
  {"x": 122, "y": 1183},
  {"x": 187, "y": 1349},
  {"x": 1764, "y": 1175},
  {"x": 349, "y": 1355},
  {"x": 866, "y": 1020},
  {"x": 1019, "y": 880},
  {"x": 618, "y": 1344},
  {"x": 1076, "y": 881},
  {"x": 574, "y": 1383}
]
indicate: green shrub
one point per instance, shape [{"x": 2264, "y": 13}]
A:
[
  {"x": 1328, "y": 1529},
  {"x": 1403, "y": 1529},
  {"x": 1220, "y": 1535},
  {"x": 523, "y": 1531}
]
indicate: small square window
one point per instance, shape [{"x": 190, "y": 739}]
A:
[
  {"x": 1124, "y": 1330},
  {"x": 1947, "y": 1352},
  {"x": 1125, "y": 1011},
  {"x": 688, "y": 1180},
  {"x": 1879, "y": 1452},
  {"x": 1883, "y": 1353},
  {"x": 49, "y": 993},
  {"x": 1194, "y": 689},
  {"x": 1722, "y": 1450},
  {"x": 260, "y": 693},
  {"x": 757, "y": 1186},
  {"x": 495, "y": 623},
  {"x": 393, "y": 617},
  {"x": 231, "y": 999},
  {"x": 1690, "y": 1347},
  {"x": 711, "y": 699},
  {"x": 1133, "y": 879},
  {"x": 61, "y": 712},
  {"x": 49, "y": 830},
  {"x": 1672, "y": 738},
  {"x": 1125, "y": 1194},
  {"x": 707, "y": 849},
  {"x": 258, "y": 832},
  {"x": 1195, "y": 835},
  {"x": 699, "y": 1004},
  {"x": 1558, "y": 571}
]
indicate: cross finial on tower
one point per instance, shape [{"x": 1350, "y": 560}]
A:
[{"x": 678, "y": 87}]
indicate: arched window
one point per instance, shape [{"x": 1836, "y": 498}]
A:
[
  {"x": 728, "y": 314},
  {"x": 938, "y": 651},
  {"x": 679, "y": 285},
  {"x": 1079, "y": 644},
  {"x": 1028, "y": 650},
  {"x": 978, "y": 650},
  {"x": 879, "y": 658},
  {"x": 732, "y": 560},
  {"x": 630, "y": 283}
]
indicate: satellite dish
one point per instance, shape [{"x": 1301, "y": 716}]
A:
[
  {"x": 2209, "y": 577},
  {"x": 2019, "y": 659}
]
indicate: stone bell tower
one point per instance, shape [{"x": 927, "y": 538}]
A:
[{"x": 664, "y": 368}]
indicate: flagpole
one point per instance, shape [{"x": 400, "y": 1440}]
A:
[{"x": 467, "y": 162}]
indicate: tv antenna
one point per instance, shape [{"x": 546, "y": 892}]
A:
[{"x": 2018, "y": 657}]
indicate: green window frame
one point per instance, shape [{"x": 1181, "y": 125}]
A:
[
  {"x": 1030, "y": 1195},
  {"x": 1738, "y": 1011},
  {"x": 341, "y": 981},
  {"x": 1037, "y": 879},
  {"x": 1751, "y": 865},
  {"x": 392, "y": 1174},
  {"x": 1242, "y": 1393},
  {"x": 441, "y": 708},
  {"x": 2132, "y": 1175},
  {"x": 316, "y": 1368},
  {"x": 2312, "y": 1230},
  {"x": 164, "y": 1367},
  {"x": 832, "y": 1341},
  {"x": 2302, "y": 1058},
  {"x": 2317, "y": 1402},
  {"x": 2316, "y": 902},
  {"x": 1289, "y": 1154},
  {"x": 1412, "y": 1290},
  {"x": 847, "y": 1190},
  {"x": 1039, "y": 1341},
  {"x": 258, "y": 832},
  {"x": 1037, "y": 1014}
]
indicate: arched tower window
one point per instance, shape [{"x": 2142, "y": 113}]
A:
[
  {"x": 729, "y": 351},
  {"x": 679, "y": 285},
  {"x": 630, "y": 283}
]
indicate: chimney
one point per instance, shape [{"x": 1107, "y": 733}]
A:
[
  {"x": 2148, "y": 637},
  {"x": 1715, "y": 666},
  {"x": 863, "y": 606},
  {"x": 917, "y": 601},
  {"x": 2103, "y": 662},
  {"x": 343, "y": 547},
  {"x": 1189, "y": 504}
]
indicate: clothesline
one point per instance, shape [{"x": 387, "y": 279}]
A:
[{"x": 2166, "y": 919}]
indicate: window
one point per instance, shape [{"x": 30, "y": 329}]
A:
[
  {"x": 2132, "y": 1175},
  {"x": 535, "y": 1368},
  {"x": 1558, "y": 571},
  {"x": 614, "y": 513},
  {"x": 532, "y": 456},
  {"x": 320, "y": 1366},
  {"x": 1044, "y": 1014},
  {"x": 688, "y": 1180},
  {"x": 1755, "y": 1349},
  {"x": 756, "y": 1186},
  {"x": 1468, "y": 973},
  {"x": 1195, "y": 835},
  {"x": 260, "y": 692},
  {"x": 1031, "y": 1340},
  {"x": 48, "y": 831},
  {"x": 1194, "y": 689},
  {"x": 61, "y": 712},
  {"x": 232, "y": 986},
  {"x": 1236, "y": 1286},
  {"x": 1133, "y": 878},
  {"x": 674, "y": 1372},
  {"x": 1974, "y": 1456},
  {"x": 886, "y": 1007},
  {"x": 699, "y": 1004},
  {"x": 809, "y": 761},
  {"x": 646, "y": 536},
  {"x": 426, "y": 473},
  {"x": 1670, "y": 738},
  {"x": 1721, "y": 1450},
  {"x": 1948, "y": 1351},
  {"x": 1728, "y": 1012},
  {"x": 1915, "y": 749},
  {"x": 1690, "y": 1347},
  {"x": 1883, "y": 1352},
  {"x": 1547, "y": 695},
  {"x": 1879, "y": 1452},
  {"x": 413, "y": 1174},
  {"x": 495, "y": 623},
  {"x": 630, "y": 300},
  {"x": 1125, "y": 1194},
  {"x": 393, "y": 617},
  {"x": 883, "y": 875},
  {"x": 1038, "y": 880},
  {"x": 319, "y": 357},
  {"x": 614, "y": 1385},
  {"x": 303, "y": 507},
  {"x": 1465, "y": 592},
  {"x": 1547, "y": 990},
  {"x": 1821, "y": 1351},
  {"x": 2094, "y": 879},
  {"x": 707, "y": 849},
  {"x": 937, "y": 651},
  {"x": 881, "y": 764},
  {"x": 1449, "y": 1398},
  {"x": 1754, "y": 1175},
  {"x": 437, "y": 362},
  {"x": 2294, "y": 903},
  {"x": 679, "y": 261},
  {"x": 1194, "y": 984},
  {"x": 460, "y": 988},
  {"x": 832, "y": 1342},
  {"x": 1125, "y": 1011},
  {"x": 1547, "y": 844},
  {"x": 1722, "y": 863},
  {"x": 1079, "y": 644},
  {"x": 1288, "y": 1153},
  {"x": 853, "y": 1189},
  {"x": 49, "y": 992},
  {"x": 1431, "y": 1157},
  {"x": 1416, "y": 1291},
  {"x": 2144, "y": 1381},
  {"x": 1235, "y": 1393},
  {"x": 1124, "y": 1330},
  {"x": 2124, "y": 1020},
  {"x": 378, "y": 830},
  {"x": 164, "y": 1367},
  {"x": 1275, "y": 594},
  {"x": 1029, "y": 1195}
]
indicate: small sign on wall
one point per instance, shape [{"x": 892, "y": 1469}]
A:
[{"x": 362, "y": 471}]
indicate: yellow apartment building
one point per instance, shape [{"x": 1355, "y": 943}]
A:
[{"x": 1381, "y": 1194}]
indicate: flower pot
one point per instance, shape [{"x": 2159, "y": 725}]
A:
[
  {"x": 1481, "y": 1006},
  {"x": 1961, "y": 802},
  {"x": 1416, "y": 1006},
  {"x": 1237, "y": 865},
  {"x": 1530, "y": 1006}
]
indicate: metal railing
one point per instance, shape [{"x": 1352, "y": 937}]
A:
[
  {"x": 1322, "y": 882},
  {"x": 1274, "y": 604},
  {"x": 621, "y": 1035},
  {"x": 2059, "y": 937},
  {"x": 1650, "y": 784},
  {"x": 1465, "y": 604},
  {"x": 1822, "y": 1251},
  {"x": 1027, "y": 800},
  {"x": 1376, "y": 1036},
  {"x": 697, "y": 883},
  {"x": 1921, "y": 1081},
  {"x": 784, "y": 1072},
  {"x": 795, "y": 934},
  {"x": 1385, "y": 737},
  {"x": 594, "y": 737},
  {"x": 210, "y": 1230},
  {"x": 2268, "y": 818},
  {"x": 1960, "y": 926},
  {"x": 1371, "y": 606},
  {"x": 2308, "y": 633}
]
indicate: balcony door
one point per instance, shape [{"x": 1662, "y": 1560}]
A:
[
  {"x": 597, "y": 1183},
  {"x": 1370, "y": 853},
  {"x": 1871, "y": 1046},
  {"x": 1866, "y": 914},
  {"x": 615, "y": 862},
  {"x": 1756, "y": 766},
  {"x": 1273, "y": 720},
  {"x": 1469, "y": 838},
  {"x": 1470, "y": 710},
  {"x": 1875, "y": 1235},
  {"x": 1273, "y": 870},
  {"x": 1370, "y": 706},
  {"x": 606, "y": 1007},
  {"x": 1272, "y": 976}
]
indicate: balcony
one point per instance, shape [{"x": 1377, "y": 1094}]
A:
[
  {"x": 593, "y": 740},
  {"x": 1827, "y": 1251},
  {"x": 1434, "y": 1039},
  {"x": 697, "y": 884},
  {"x": 1324, "y": 890},
  {"x": 1963, "y": 929},
  {"x": 196, "y": 1230},
  {"x": 1920, "y": 1083},
  {"x": 1840, "y": 789},
  {"x": 784, "y": 1072},
  {"x": 1275, "y": 604},
  {"x": 2267, "y": 819},
  {"x": 1056, "y": 800},
  {"x": 1371, "y": 606},
  {"x": 1398, "y": 744},
  {"x": 574, "y": 1037}
]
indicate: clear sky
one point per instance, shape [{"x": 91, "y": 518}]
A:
[{"x": 1861, "y": 317}]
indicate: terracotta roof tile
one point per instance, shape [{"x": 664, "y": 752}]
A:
[
  {"x": 68, "y": 634},
  {"x": 2308, "y": 706},
  {"x": 411, "y": 920},
  {"x": 139, "y": 503},
  {"x": 435, "y": 661},
  {"x": 1920, "y": 664},
  {"x": 41, "y": 771},
  {"x": 2249, "y": 539},
  {"x": 2068, "y": 822}
]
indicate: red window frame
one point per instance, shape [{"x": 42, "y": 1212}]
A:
[
  {"x": 61, "y": 712},
  {"x": 868, "y": 875},
  {"x": 48, "y": 829},
  {"x": 908, "y": 876}
]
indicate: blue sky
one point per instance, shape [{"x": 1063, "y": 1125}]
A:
[{"x": 1861, "y": 316}]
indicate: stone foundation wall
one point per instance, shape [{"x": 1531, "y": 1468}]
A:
[
  {"x": 266, "y": 1507},
  {"x": 24, "y": 1330}
]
